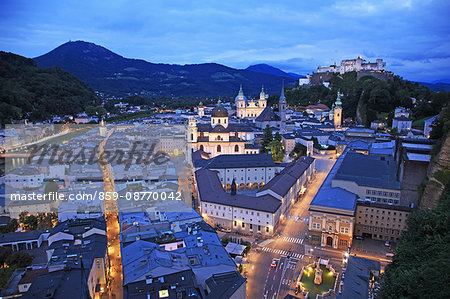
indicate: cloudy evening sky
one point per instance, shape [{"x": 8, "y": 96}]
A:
[{"x": 413, "y": 37}]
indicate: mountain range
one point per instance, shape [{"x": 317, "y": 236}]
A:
[
  {"x": 436, "y": 86},
  {"x": 268, "y": 69},
  {"x": 114, "y": 75}
]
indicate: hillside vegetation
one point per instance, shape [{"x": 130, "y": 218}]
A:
[
  {"x": 27, "y": 91},
  {"x": 371, "y": 97},
  {"x": 419, "y": 268}
]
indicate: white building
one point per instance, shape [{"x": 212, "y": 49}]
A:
[
  {"x": 402, "y": 123},
  {"x": 259, "y": 213},
  {"x": 352, "y": 65},
  {"x": 250, "y": 108}
]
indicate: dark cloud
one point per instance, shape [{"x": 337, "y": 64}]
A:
[{"x": 412, "y": 36}]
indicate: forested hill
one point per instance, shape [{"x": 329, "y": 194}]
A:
[
  {"x": 27, "y": 91},
  {"x": 112, "y": 74},
  {"x": 371, "y": 97}
]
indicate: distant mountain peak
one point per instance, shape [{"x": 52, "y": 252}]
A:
[
  {"x": 79, "y": 48},
  {"x": 268, "y": 69},
  {"x": 112, "y": 74}
]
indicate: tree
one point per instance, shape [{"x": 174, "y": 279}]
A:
[
  {"x": 31, "y": 222},
  {"x": 10, "y": 227},
  {"x": 277, "y": 150},
  {"x": 277, "y": 136},
  {"x": 298, "y": 151},
  {"x": 19, "y": 259},
  {"x": 100, "y": 111},
  {"x": 422, "y": 249},
  {"x": 22, "y": 216},
  {"x": 267, "y": 139},
  {"x": 90, "y": 110},
  {"x": 5, "y": 252},
  {"x": 45, "y": 221}
]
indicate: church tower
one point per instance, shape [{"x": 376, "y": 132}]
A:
[
  {"x": 102, "y": 128},
  {"x": 262, "y": 102},
  {"x": 201, "y": 110},
  {"x": 241, "y": 103},
  {"x": 338, "y": 111},
  {"x": 282, "y": 110},
  {"x": 192, "y": 130}
]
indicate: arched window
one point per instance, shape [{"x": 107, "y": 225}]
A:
[
  {"x": 236, "y": 148},
  {"x": 218, "y": 121},
  {"x": 201, "y": 147},
  {"x": 225, "y": 121},
  {"x": 219, "y": 148},
  {"x": 192, "y": 136}
]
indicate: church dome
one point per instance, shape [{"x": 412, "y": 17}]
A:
[{"x": 219, "y": 111}]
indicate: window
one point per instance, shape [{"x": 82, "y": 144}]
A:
[
  {"x": 219, "y": 148},
  {"x": 315, "y": 225},
  {"x": 343, "y": 242},
  {"x": 236, "y": 148},
  {"x": 243, "y": 224},
  {"x": 259, "y": 227},
  {"x": 267, "y": 229},
  {"x": 235, "y": 222},
  {"x": 344, "y": 230}
]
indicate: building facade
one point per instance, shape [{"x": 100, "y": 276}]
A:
[
  {"x": 250, "y": 109},
  {"x": 220, "y": 136},
  {"x": 380, "y": 222},
  {"x": 259, "y": 212}
]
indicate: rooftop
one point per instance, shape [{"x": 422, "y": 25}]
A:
[
  {"x": 241, "y": 161},
  {"x": 334, "y": 198},
  {"x": 211, "y": 190},
  {"x": 267, "y": 115},
  {"x": 357, "y": 277},
  {"x": 369, "y": 170}
]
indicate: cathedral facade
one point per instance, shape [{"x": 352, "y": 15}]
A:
[
  {"x": 221, "y": 137},
  {"x": 250, "y": 109}
]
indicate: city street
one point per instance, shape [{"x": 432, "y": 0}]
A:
[
  {"x": 112, "y": 230},
  {"x": 287, "y": 246}
]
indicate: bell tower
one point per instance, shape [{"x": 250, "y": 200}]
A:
[
  {"x": 262, "y": 102},
  {"x": 192, "y": 131},
  {"x": 282, "y": 110},
  {"x": 337, "y": 119}
]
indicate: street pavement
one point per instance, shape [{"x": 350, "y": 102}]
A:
[
  {"x": 115, "y": 287},
  {"x": 287, "y": 247}
]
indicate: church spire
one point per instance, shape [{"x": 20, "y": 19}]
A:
[
  {"x": 282, "y": 97},
  {"x": 262, "y": 95}
]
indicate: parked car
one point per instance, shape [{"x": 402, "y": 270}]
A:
[{"x": 387, "y": 244}]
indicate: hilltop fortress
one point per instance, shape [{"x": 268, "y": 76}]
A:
[
  {"x": 354, "y": 65},
  {"x": 359, "y": 65}
]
